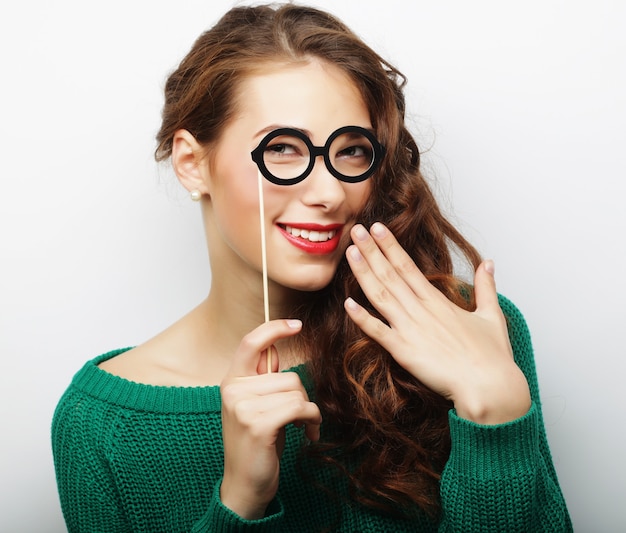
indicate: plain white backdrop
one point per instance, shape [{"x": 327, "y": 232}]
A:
[{"x": 519, "y": 107}]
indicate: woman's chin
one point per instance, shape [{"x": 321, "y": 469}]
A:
[
  {"x": 310, "y": 286},
  {"x": 306, "y": 283},
  {"x": 303, "y": 277}
]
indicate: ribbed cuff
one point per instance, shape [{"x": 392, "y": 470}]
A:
[
  {"x": 220, "y": 519},
  {"x": 500, "y": 451}
]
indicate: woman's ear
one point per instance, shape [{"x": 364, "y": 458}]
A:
[{"x": 190, "y": 163}]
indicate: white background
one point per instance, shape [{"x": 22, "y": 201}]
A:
[{"x": 520, "y": 105}]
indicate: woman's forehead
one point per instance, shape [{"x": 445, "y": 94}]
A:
[{"x": 315, "y": 96}]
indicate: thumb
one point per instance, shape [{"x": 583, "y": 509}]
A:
[
  {"x": 485, "y": 288},
  {"x": 253, "y": 347}
]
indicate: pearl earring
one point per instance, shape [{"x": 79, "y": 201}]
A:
[{"x": 196, "y": 195}]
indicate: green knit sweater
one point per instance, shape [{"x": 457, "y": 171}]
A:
[{"x": 131, "y": 457}]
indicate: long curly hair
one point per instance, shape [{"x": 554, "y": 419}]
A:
[{"x": 396, "y": 426}]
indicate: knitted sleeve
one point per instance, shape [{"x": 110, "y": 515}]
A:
[
  {"x": 86, "y": 488},
  {"x": 501, "y": 478}
]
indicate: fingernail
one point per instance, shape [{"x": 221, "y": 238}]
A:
[
  {"x": 360, "y": 233},
  {"x": 351, "y": 304},
  {"x": 294, "y": 323},
  {"x": 379, "y": 230},
  {"x": 355, "y": 254},
  {"x": 490, "y": 266}
]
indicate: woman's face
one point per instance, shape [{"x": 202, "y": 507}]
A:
[{"x": 307, "y": 224}]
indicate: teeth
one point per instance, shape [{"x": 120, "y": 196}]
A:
[{"x": 313, "y": 235}]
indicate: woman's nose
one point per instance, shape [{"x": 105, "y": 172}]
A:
[{"x": 321, "y": 188}]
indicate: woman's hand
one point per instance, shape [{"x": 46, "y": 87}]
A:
[
  {"x": 464, "y": 356},
  {"x": 256, "y": 407}
]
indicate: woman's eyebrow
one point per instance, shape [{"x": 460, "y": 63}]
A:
[{"x": 273, "y": 127}]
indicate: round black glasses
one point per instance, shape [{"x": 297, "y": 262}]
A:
[{"x": 287, "y": 156}]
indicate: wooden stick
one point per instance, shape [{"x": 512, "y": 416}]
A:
[{"x": 266, "y": 300}]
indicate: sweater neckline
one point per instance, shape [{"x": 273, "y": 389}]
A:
[{"x": 128, "y": 394}]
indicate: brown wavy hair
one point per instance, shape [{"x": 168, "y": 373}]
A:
[{"x": 379, "y": 413}]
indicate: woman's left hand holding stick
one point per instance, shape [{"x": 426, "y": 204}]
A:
[{"x": 256, "y": 407}]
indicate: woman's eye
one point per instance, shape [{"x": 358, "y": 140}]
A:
[
  {"x": 282, "y": 149},
  {"x": 355, "y": 151}
]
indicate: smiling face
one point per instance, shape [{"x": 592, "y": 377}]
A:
[{"x": 306, "y": 224}]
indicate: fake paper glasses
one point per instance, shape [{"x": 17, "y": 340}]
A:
[{"x": 286, "y": 156}]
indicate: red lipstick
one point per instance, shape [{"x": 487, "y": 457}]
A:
[{"x": 309, "y": 246}]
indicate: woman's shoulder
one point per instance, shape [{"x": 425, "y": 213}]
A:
[
  {"x": 145, "y": 364},
  {"x": 173, "y": 358}
]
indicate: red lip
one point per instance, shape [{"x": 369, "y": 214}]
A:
[
  {"x": 307, "y": 246},
  {"x": 312, "y": 226}
]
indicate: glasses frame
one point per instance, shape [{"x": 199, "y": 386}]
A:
[{"x": 315, "y": 152}]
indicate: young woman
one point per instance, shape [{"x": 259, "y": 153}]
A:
[{"x": 383, "y": 395}]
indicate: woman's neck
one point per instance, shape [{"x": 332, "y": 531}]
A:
[{"x": 230, "y": 313}]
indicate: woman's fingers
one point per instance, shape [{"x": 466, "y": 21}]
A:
[
  {"x": 390, "y": 262},
  {"x": 389, "y": 278},
  {"x": 268, "y": 357},
  {"x": 251, "y": 355},
  {"x": 371, "y": 326},
  {"x": 258, "y": 413},
  {"x": 253, "y": 386}
]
